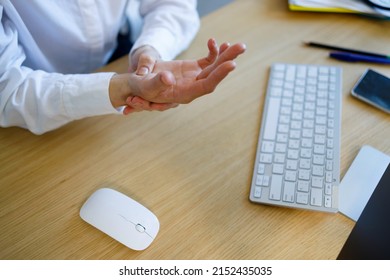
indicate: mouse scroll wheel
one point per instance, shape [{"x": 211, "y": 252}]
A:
[{"x": 140, "y": 228}]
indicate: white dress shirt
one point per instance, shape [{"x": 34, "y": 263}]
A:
[{"x": 47, "y": 49}]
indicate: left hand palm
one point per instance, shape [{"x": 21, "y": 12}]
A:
[
  {"x": 181, "y": 81},
  {"x": 191, "y": 79}
]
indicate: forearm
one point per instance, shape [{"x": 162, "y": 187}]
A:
[{"x": 42, "y": 101}]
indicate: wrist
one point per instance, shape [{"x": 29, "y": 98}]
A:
[{"x": 119, "y": 89}]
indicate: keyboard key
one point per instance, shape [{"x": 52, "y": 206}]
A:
[
  {"x": 265, "y": 158},
  {"x": 292, "y": 154},
  {"x": 272, "y": 119},
  {"x": 282, "y": 138},
  {"x": 267, "y": 146},
  {"x": 304, "y": 174},
  {"x": 280, "y": 148},
  {"x": 279, "y": 158},
  {"x": 290, "y": 176},
  {"x": 328, "y": 188},
  {"x": 319, "y": 149},
  {"x": 329, "y": 165},
  {"x": 262, "y": 180},
  {"x": 302, "y": 198},
  {"x": 305, "y": 163},
  {"x": 266, "y": 181},
  {"x": 261, "y": 168},
  {"x": 257, "y": 192},
  {"x": 318, "y": 170},
  {"x": 307, "y": 143},
  {"x": 328, "y": 177},
  {"x": 316, "y": 197},
  {"x": 318, "y": 159},
  {"x": 303, "y": 186},
  {"x": 276, "y": 187},
  {"x": 317, "y": 182},
  {"x": 328, "y": 201},
  {"x": 278, "y": 169},
  {"x": 289, "y": 192},
  {"x": 259, "y": 180},
  {"x": 292, "y": 164}
]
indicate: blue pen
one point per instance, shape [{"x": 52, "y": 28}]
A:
[{"x": 352, "y": 57}]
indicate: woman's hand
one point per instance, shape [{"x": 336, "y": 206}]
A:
[{"x": 182, "y": 81}]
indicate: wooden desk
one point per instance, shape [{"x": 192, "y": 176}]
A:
[{"x": 191, "y": 166}]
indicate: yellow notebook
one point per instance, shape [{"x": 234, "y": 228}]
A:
[
  {"x": 335, "y": 6},
  {"x": 320, "y": 9}
]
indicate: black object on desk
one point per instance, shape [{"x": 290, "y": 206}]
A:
[
  {"x": 370, "y": 238},
  {"x": 346, "y": 50}
]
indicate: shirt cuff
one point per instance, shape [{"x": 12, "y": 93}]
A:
[{"x": 86, "y": 95}]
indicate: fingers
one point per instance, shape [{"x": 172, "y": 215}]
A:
[
  {"x": 227, "y": 53},
  {"x": 128, "y": 110},
  {"x": 212, "y": 55},
  {"x": 223, "y": 47},
  {"x": 208, "y": 85},
  {"x": 138, "y": 104},
  {"x": 216, "y": 76},
  {"x": 213, "y": 51},
  {"x": 231, "y": 52}
]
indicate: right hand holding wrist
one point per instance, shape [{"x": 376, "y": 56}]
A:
[{"x": 143, "y": 59}]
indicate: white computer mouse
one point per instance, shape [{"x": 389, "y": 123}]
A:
[{"x": 121, "y": 217}]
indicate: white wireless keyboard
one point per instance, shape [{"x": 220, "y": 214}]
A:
[{"x": 298, "y": 153}]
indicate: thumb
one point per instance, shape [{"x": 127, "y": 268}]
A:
[
  {"x": 162, "y": 79},
  {"x": 155, "y": 89},
  {"x": 145, "y": 65}
]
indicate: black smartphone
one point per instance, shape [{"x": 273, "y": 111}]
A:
[{"x": 373, "y": 88}]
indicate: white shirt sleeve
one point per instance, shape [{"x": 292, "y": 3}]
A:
[
  {"x": 168, "y": 25},
  {"x": 41, "y": 101}
]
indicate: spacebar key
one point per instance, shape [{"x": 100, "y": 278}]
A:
[{"x": 271, "y": 122}]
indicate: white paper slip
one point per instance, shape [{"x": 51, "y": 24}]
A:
[{"x": 360, "y": 181}]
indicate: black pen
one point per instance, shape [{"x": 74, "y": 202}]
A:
[{"x": 336, "y": 48}]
